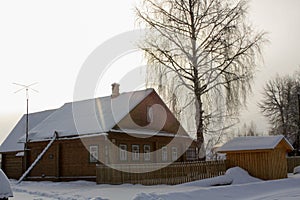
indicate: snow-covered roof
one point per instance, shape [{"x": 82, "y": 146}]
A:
[
  {"x": 146, "y": 133},
  {"x": 251, "y": 143},
  {"x": 88, "y": 116},
  {"x": 11, "y": 144}
]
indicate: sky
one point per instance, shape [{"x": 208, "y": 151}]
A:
[{"x": 48, "y": 41}]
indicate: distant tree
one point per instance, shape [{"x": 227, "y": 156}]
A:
[
  {"x": 205, "y": 52},
  {"x": 280, "y": 106},
  {"x": 252, "y": 130},
  {"x": 248, "y": 130}
]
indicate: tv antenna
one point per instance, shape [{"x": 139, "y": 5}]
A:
[{"x": 26, "y": 88}]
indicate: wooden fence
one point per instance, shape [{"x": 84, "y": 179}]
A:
[
  {"x": 175, "y": 173},
  {"x": 292, "y": 162}
]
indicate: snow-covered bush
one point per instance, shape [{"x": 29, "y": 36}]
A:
[
  {"x": 297, "y": 170},
  {"x": 5, "y": 190}
]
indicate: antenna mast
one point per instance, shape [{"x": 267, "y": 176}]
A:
[{"x": 26, "y": 88}]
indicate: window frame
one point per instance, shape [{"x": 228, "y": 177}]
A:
[
  {"x": 123, "y": 152},
  {"x": 93, "y": 153},
  {"x": 147, "y": 154},
  {"x": 135, "y": 155},
  {"x": 164, "y": 154},
  {"x": 174, "y": 154}
]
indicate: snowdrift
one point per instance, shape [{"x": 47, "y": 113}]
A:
[
  {"x": 297, "y": 170},
  {"x": 5, "y": 190},
  {"x": 233, "y": 176}
]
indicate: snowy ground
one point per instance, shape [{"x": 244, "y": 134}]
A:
[{"x": 242, "y": 186}]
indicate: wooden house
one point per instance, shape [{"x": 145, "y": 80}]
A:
[
  {"x": 263, "y": 157},
  {"x": 118, "y": 129}
]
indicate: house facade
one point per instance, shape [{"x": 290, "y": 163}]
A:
[{"x": 133, "y": 127}]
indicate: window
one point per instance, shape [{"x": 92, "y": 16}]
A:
[
  {"x": 164, "y": 154},
  {"x": 135, "y": 152},
  {"x": 123, "y": 152},
  {"x": 191, "y": 154},
  {"x": 174, "y": 153},
  {"x": 149, "y": 114},
  {"x": 94, "y": 153},
  {"x": 147, "y": 154}
]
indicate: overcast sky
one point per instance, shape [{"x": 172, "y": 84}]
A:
[{"x": 48, "y": 41}]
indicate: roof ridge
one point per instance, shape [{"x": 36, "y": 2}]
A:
[
  {"x": 254, "y": 143},
  {"x": 108, "y": 96}
]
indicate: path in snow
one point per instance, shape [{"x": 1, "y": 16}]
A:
[{"x": 243, "y": 187}]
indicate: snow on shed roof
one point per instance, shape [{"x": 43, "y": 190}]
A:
[
  {"x": 88, "y": 116},
  {"x": 254, "y": 143},
  {"x": 11, "y": 144}
]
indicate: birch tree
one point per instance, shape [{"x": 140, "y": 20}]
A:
[{"x": 205, "y": 51}]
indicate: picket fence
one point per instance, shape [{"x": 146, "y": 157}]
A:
[
  {"x": 292, "y": 162},
  {"x": 175, "y": 173}
]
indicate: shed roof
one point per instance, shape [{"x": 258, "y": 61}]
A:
[
  {"x": 11, "y": 144},
  {"x": 87, "y": 116},
  {"x": 251, "y": 143}
]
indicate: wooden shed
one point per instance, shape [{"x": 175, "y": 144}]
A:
[{"x": 263, "y": 157}]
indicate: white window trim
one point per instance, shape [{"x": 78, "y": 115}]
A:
[
  {"x": 164, "y": 154},
  {"x": 135, "y": 154},
  {"x": 147, "y": 154},
  {"x": 123, "y": 152},
  {"x": 174, "y": 153},
  {"x": 94, "y": 153}
]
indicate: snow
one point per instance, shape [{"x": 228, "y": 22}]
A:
[
  {"x": 5, "y": 190},
  {"x": 88, "y": 116},
  {"x": 232, "y": 176},
  {"x": 148, "y": 133},
  {"x": 253, "y": 143},
  {"x": 242, "y": 186},
  {"x": 11, "y": 144},
  {"x": 297, "y": 170}
]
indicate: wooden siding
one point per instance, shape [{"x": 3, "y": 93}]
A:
[
  {"x": 67, "y": 159},
  {"x": 64, "y": 159},
  {"x": 155, "y": 143},
  {"x": 12, "y": 165},
  {"x": 267, "y": 165},
  {"x": 139, "y": 116}
]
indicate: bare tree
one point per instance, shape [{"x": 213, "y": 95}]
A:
[
  {"x": 280, "y": 106},
  {"x": 208, "y": 48},
  {"x": 249, "y": 130}
]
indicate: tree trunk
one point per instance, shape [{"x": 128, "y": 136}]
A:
[{"x": 200, "y": 128}]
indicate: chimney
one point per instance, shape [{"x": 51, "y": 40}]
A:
[{"x": 115, "y": 90}]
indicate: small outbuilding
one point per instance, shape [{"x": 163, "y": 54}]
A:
[{"x": 263, "y": 157}]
